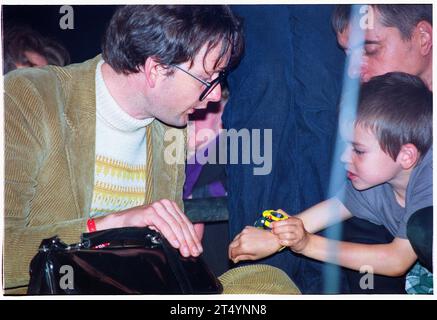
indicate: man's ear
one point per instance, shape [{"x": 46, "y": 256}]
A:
[
  {"x": 151, "y": 70},
  {"x": 408, "y": 156},
  {"x": 424, "y": 36}
]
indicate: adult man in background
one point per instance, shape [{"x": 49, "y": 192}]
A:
[{"x": 397, "y": 38}]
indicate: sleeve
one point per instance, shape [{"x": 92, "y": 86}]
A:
[
  {"x": 419, "y": 191},
  {"x": 26, "y": 147},
  {"x": 180, "y": 179},
  {"x": 361, "y": 204}
]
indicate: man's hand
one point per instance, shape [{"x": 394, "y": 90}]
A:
[
  {"x": 291, "y": 233},
  {"x": 253, "y": 244},
  {"x": 164, "y": 216}
]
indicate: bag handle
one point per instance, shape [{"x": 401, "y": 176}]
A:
[{"x": 122, "y": 237}]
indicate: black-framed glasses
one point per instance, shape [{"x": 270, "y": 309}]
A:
[{"x": 209, "y": 85}]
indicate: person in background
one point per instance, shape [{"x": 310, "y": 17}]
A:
[
  {"x": 398, "y": 38},
  {"x": 24, "y": 47},
  {"x": 207, "y": 179}
]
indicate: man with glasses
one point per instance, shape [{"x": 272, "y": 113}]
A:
[
  {"x": 209, "y": 86},
  {"x": 85, "y": 144}
]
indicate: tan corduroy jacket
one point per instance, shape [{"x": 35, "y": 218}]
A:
[{"x": 50, "y": 124}]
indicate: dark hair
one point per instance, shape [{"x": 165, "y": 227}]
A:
[
  {"x": 404, "y": 17},
  {"x": 397, "y": 107},
  {"x": 170, "y": 34},
  {"x": 19, "y": 39},
  {"x": 55, "y": 53},
  {"x": 340, "y": 17}
]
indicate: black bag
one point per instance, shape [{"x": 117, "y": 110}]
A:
[{"x": 136, "y": 261}]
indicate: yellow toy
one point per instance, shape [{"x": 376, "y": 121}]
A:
[{"x": 267, "y": 217}]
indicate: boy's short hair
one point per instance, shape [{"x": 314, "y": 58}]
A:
[
  {"x": 397, "y": 108},
  {"x": 404, "y": 17},
  {"x": 172, "y": 34}
]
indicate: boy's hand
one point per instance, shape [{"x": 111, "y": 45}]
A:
[
  {"x": 253, "y": 244},
  {"x": 291, "y": 233}
]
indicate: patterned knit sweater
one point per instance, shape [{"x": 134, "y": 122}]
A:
[{"x": 120, "y": 169}]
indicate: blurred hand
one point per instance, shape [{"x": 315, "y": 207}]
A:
[{"x": 164, "y": 216}]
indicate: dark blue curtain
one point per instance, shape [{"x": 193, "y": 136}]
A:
[{"x": 289, "y": 80}]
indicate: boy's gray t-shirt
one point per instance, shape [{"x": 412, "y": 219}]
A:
[{"x": 379, "y": 205}]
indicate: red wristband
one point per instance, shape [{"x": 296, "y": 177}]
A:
[{"x": 91, "y": 224}]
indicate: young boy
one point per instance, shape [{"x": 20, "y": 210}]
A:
[{"x": 389, "y": 168}]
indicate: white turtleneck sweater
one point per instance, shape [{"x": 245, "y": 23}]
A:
[{"x": 120, "y": 169}]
